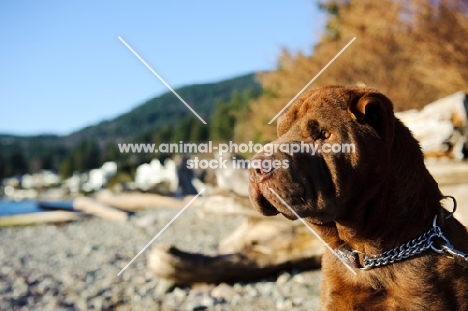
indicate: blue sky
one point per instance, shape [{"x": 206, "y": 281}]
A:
[{"x": 62, "y": 66}]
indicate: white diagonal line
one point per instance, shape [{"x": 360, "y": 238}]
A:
[
  {"x": 313, "y": 79},
  {"x": 313, "y": 231},
  {"x": 160, "y": 232},
  {"x": 161, "y": 79}
]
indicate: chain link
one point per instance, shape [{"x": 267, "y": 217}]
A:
[{"x": 413, "y": 247}]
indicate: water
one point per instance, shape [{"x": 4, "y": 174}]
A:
[{"x": 27, "y": 206}]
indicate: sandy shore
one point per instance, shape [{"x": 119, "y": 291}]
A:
[{"x": 75, "y": 266}]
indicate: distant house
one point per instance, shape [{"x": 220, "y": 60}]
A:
[
  {"x": 43, "y": 179},
  {"x": 98, "y": 178},
  {"x": 73, "y": 183},
  {"x": 150, "y": 174}
]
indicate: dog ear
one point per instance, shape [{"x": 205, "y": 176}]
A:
[
  {"x": 282, "y": 124},
  {"x": 376, "y": 110}
]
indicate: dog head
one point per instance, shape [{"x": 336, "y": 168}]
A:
[{"x": 349, "y": 132}]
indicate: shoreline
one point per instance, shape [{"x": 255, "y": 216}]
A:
[{"x": 74, "y": 266}]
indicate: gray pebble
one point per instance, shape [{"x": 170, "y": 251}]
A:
[
  {"x": 164, "y": 286},
  {"x": 283, "y": 278},
  {"x": 223, "y": 291},
  {"x": 283, "y": 303}
]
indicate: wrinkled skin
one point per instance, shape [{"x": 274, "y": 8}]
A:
[{"x": 371, "y": 200}]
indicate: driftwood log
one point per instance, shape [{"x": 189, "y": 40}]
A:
[
  {"x": 449, "y": 172},
  {"x": 91, "y": 206},
  {"x": 28, "y": 219},
  {"x": 441, "y": 126},
  {"x": 256, "y": 249},
  {"x": 138, "y": 201}
]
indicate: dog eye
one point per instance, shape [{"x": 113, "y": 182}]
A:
[{"x": 324, "y": 134}]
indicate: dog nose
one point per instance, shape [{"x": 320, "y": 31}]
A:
[{"x": 261, "y": 167}]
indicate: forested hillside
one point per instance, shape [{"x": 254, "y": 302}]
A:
[{"x": 167, "y": 109}]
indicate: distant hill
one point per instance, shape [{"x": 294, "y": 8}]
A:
[{"x": 155, "y": 114}]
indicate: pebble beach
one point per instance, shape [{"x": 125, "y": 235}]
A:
[{"x": 74, "y": 266}]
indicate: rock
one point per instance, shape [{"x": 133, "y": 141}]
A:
[
  {"x": 237, "y": 287},
  {"x": 170, "y": 301},
  {"x": 164, "y": 287},
  {"x": 283, "y": 303},
  {"x": 148, "y": 276},
  {"x": 267, "y": 289},
  {"x": 147, "y": 220},
  {"x": 235, "y": 300},
  {"x": 179, "y": 293},
  {"x": 142, "y": 290},
  {"x": 201, "y": 289},
  {"x": 20, "y": 287},
  {"x": 4, "y": 288},
  {"x": 97, "y": 302},
  {"x": 299, "y": 278},
  {"x": 283, "y": 278},
  {"x": 223, "y": 290},
  {"x": 208, "y": 301},
  {"x": 44, "y": 286},
  {"x": 298, "y": 300},
  {"x": 81, "y": 303},
  {"x": 251, "y": 291}
]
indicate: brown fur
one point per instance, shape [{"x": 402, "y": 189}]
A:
[{"x": 372, "y": 200}]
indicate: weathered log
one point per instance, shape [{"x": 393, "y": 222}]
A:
[
  {"x": 448, "y": 172},
  {"x": 136, "y": 201},
  {"x": 227, "y": 203},
  {"x": 256, "y": 249},
  {"x": 440, "y": 126},
  {"x": 220, "y": 203},
  {"x": 39, "y": 218},
  {"x": 99, "y": 209}
]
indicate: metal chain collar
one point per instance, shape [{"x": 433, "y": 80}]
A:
[{"x": 411, "y": 248}]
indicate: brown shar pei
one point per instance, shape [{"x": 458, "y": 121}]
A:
[{"x": 365, "y": 204}]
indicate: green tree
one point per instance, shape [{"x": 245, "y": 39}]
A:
[
  {"x": 164, "y": 135},
  {"x": 47, "y": 161},
  {"x": 111, "y": 153},
  {"x": 228, "y": 113},
  {"x": 16, "y": 164},
  {"x": 2, "y": 166},
  {"x": 84, "y": 156},
  {"x": 66, "y": 168},
  {"x": 87, "y": 156},
  {"x": 182, "y": 130},
  {"x": 198, "y": 131},
  {"x": 222, "y": 122}
]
